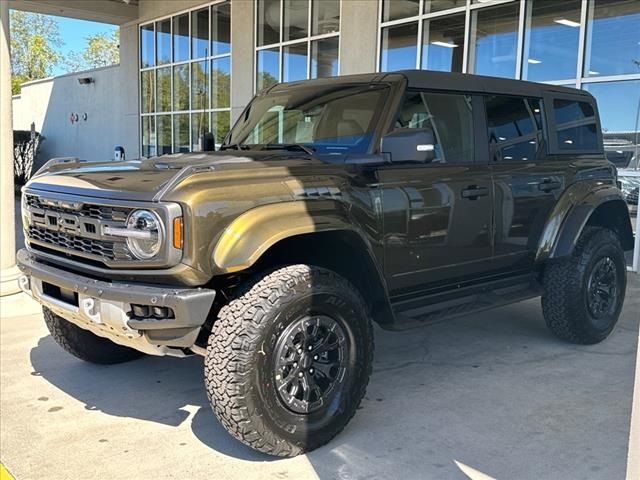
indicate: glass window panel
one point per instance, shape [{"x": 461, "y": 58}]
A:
[
  {"x": 439, "y": 5},
  {"x": 164, "y": 134},
  {"x": 399, "y": 47},
  {"x": 220, "y": 122},
  {"x": 268, "y": 68},
  {"x": 515, "y": 128},
  {"x": 147, "y": 57},
  {"x": 181, "y": 87},
  {"x": 325, "y": 17},
  {"x": 199, "y": 86},
  {"x": 181, "y": 137},
  {"x": 148, "y": 91},
  {"x": 181, "y": 38},
  {"x": 324, "y": 58},
  {"x": 450, "y": 116},
  {"x": 199, "y": 126},
  {"x": 148, "y": 136},
  {"x": 200, "y": 33},
  {"x": 163, "y": 42},
  {"x": 268, "y": 22},
  {"x": 294, "y": 62},
  {"x": 619, "y": 107},
  {"x": 575, "y": 125},
  {"x": 163, "y": 89},
  {"x": 220, "y": 29},
  {"x": 443, "y": 43},
  {"x": 395, "y": 9},
  {"x": 613, "y": 38},
  {"x": 296, "y": 17},
  {"x": 494, "y": 41},
  {"x": 551, "y": 40},
  {"x": 221, "y": 83}
]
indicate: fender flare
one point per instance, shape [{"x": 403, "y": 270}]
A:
[
  {"x": 571, "y": 214},
  {"x": 251, "y": 234}
]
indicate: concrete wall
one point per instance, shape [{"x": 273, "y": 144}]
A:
[{"x": 110, "y": 103}]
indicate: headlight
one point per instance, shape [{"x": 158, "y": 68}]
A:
[{"x": 147, "y": 243}]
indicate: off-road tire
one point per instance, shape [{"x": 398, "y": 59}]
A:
[
  {"x": 565, "y": 281},
  {"x": 239, "y": 376},
  {"x": 85, "y": 345}
]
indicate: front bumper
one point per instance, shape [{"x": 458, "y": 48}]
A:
[{"x": 104, "y": 308}]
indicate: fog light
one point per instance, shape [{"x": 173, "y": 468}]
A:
[
  {"x": 160, "y": 312},
  {"x": 140, "y": 311}
]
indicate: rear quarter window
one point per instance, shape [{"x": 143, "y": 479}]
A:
[{"x": 576, "y": 126}]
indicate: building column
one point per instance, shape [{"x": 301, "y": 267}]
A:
[
  {"x": 8, "y": 270},
  {"x": 358, "y": 36},
  {"x": 242, "y": 56}
]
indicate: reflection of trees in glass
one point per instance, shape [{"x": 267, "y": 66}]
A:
[
  {"x": 148, "y": 136},
  {"x": 181, "y": 133},
  {"x": 199, "y": 86},
  {"x": 199, "y": 126},
  {"x": 265, "y": 79},
  {"x": 181, "y": 87},
  {"x": 148, "y": 91},
  {"x": 220, "y": 122},
  {"x": 221, "y": 86},
  {"x": 164, "y": 134},
  {"x": 163, "y": 89}
]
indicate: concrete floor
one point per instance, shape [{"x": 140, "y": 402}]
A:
[{"x": 494, "y": 391}]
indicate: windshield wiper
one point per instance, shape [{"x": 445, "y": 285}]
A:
[
  {"x": 235, "y": 146},
  {"x": 290, "y": 147}
]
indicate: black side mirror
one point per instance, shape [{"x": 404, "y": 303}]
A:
[{"x": 409, "y": 145}]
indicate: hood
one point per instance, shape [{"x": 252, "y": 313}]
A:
[{"x": 149, "y": 179}]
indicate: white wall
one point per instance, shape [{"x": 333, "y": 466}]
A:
[{"x": 111, "y": 119}]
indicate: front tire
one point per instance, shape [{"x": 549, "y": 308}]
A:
[
  {"x": 289, "y": 359},
  {"x": 85, "y": 345},
  {"x": 583, "y": 293}
]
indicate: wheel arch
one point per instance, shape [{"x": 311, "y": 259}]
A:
[{"x": 602, "y": 206}]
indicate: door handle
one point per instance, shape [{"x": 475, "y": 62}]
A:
[
  {"x": 547, "y": 185},
  {"x": 472, "y": 192}
]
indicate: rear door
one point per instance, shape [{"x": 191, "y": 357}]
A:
[
  {"x": 527, "y": 183},
  {"x": 437, "y": 215}
]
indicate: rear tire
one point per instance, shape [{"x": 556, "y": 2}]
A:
[
  {"x": 289, "y": 360},
  {"x": 85, "y": 345},
  {"x": 583, "y": 293}
]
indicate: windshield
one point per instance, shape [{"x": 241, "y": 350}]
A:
[{"x": 332, "y": 120}]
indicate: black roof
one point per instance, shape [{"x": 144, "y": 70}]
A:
[
  {"x": 481, "y": 84},
  {"x": 428, "y": 79}
]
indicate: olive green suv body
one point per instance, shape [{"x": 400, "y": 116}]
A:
[{"x": 401, "y": 197}]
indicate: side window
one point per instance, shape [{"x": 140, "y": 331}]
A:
[
  {"x": 450, "y": 116},
  {"x": 515, "y": 128},
  {"x": 575, "y": 125}
]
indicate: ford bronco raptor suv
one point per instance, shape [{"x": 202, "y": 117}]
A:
[{"x": 396, "y": 198}]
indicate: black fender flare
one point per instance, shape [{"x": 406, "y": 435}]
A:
[{"x": 573, "y": 211}]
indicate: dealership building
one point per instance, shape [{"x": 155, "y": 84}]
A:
[{"x": 191, "y": 66}]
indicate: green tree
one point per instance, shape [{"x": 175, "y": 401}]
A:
[
  {"x": 35, "y": 43},
  {"x": 101, "y": 50}
]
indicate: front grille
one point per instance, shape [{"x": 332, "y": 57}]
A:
[
  {"x": 99, "y": 212},
  {"x": 71, "y": 228},
  {"x": 106, "y": 249}
]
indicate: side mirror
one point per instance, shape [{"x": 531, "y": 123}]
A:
[{"x": 409, "y": 145}]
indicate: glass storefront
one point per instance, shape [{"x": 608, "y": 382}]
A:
[
  {"x": 185, "y": 79},
  {"x": 296, "y": 40}
]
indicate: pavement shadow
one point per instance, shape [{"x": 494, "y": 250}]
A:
[{"x": 155, "y": 389}]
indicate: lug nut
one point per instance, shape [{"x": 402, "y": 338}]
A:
[
  {"x": 295, "y": 364},
  {"x": 299, "y": 350},
  {"x": 310, "y": 348},
  {"x": 300, "y": 374},
  {"x": 315, "y": 357},
  {"x": 311, "y": 370}
]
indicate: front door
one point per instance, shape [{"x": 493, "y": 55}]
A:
[{"x": 437, "y": 216}]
